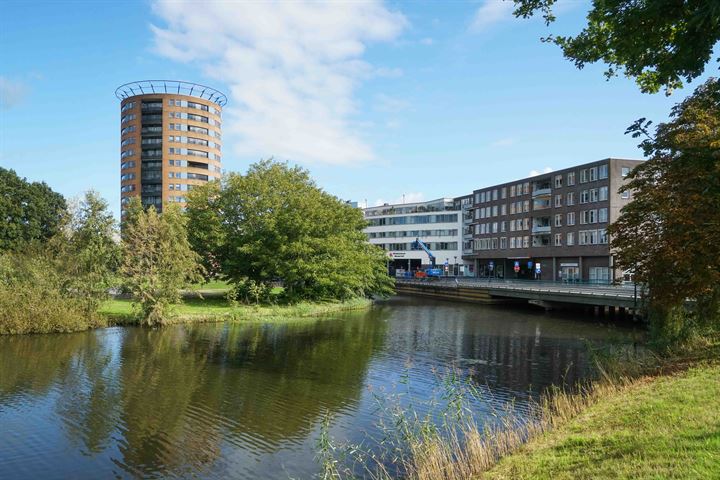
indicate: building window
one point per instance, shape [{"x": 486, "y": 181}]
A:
[
  {"x": 503, "y": 193},
  {"x": 570, "y": 239},
  {"x": 503, "y": 226},
  {"x": 558, "y": 200},
  {"x": 603, "y": 194},
  {"x": 602, "y": 171},
  {"x": 512, "y": 190},
  {"x": 526, "y": 188},
  {"x": 526, "y": 241},
  {"x": 584, "y": 196},
  {"x": 503, "y": 209},
  {"x": 602, "y": 236},
  {"x": 583, "y": 175},
  {"x": 558, "y": 181},
  {"x": 593, "y": 194},
  {"x": 625, "y": 171},
  {"x": 526, "y": 223},
  {"x": 503, "y": 242},
  {"x": 599, "y": 275},
  {"x": 558, "y": 239},
  {"x": 593, "y": 174},
  {"x": 495, "y": 194},
  {"x": 571, "y": 218},
  {"x": 625, "y": 195},
  {"x": 570, "y": 199},
  {"x": 558, "y": 220},
  {"x": 526, "y": 206},
  {"x": 571, "y": 179},
  {"x": 602, "y": 215}
]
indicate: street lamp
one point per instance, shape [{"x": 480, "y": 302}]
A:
[{"x": 455, "y": 267}]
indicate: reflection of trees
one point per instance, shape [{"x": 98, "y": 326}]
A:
[
  {"x": 31, "y": 364},
  {"x": 186, "y": 389}
]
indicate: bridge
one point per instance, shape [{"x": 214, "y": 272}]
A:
[{"x": 548, "y": 295}]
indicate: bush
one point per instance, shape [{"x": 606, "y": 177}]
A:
[{"x": 33, "y": 297}]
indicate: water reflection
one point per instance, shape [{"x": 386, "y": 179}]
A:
[{"x": 246, "y": 401}]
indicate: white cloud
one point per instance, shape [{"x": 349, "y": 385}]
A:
[
  {"x": 12, "y": 92},
  {"x": 535, "y": 173},
  {"x": 411, "y": 197},
  {"x": 490, "y": 13},
  {"x": 427, "y": 41},
  {"x": 291, "y": 67}
]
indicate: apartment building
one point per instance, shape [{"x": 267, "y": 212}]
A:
[
  {"x": 438, "y": 223},
  {"x": 550, "y": 226},
  {"x": 170, "y": 140}
]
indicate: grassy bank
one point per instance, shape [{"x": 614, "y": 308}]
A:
[
  {"x": 120, "y": 311},
  {"x": 652, "y": 427}
]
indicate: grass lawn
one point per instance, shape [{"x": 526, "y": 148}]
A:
[
  {"x": 218, "y": 309},
  {"x": 662, "y": 427}
]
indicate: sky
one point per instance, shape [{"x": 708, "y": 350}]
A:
[{"x": 381, "y": 101}]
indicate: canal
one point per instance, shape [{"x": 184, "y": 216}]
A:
[{"x": 248, "y": 400}]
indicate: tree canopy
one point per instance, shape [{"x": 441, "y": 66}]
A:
[
  {"x": 660, "y": 43},
  {"x": 28, "y": 211},
  {"x": 670, "y": 233},
  {"x": 274, "y": 223},
  {"x": 157, "y": 259}
]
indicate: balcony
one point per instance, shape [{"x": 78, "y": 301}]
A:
[
  {"x": 541, "y": 240},
  {"x": 538, "y": 192},
  {"x": 541, "y": 229}
]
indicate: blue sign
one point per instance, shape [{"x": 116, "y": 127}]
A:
[{"x": 530, "y": 264}]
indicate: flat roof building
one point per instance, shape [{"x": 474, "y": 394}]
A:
[
  {"x": 438, "y": 223},
  {"x": 170, "y": 140},
  {"x": 550, "y": 226}
]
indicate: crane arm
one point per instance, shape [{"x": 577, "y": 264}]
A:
[{"x": 420, "y": 245}]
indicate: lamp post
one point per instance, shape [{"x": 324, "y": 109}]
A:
[{"x": 455, "y": 266}]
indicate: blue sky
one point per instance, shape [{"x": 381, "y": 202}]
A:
[{"x": 378, "y": 100}]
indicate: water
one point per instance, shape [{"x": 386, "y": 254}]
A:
[{"x": 248, "y": 401}]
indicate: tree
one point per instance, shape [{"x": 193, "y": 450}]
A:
[
  {"x": 670, "y": 233},
  {"x": 660, "y": 43},
  {"x": 275, "y": 223},
  {"x": 28, "y": 211},
  {"x": 90, "y": 252},
  {"x": 205, "y": 233},
  {"x": 158, "y": 260}
]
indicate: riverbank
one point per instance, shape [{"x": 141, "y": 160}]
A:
[
  {"x": 666, "y": 426},
  {"x": 120, "y": 311}
]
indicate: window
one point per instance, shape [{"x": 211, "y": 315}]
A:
[
  {"x": 512, "y": 225},
  {"x": 526, "y": 242},
  {"x": 570, "y": 239},
  {"x": 519, "y": 224},
  {"x": 603, "y": 194},
  {"x": 599, "y": 275},
  {"x": 570, "y": 199},
  {"x": 558, "y": 239},
  {"x": 503, "y": 193},
  {"x": 602, "y": 171},
  {"x": 512, "y": 208},
  {"x": 126, "y": 130},
  {"x": 571, "y": 179},
  {"x": 558, "y": 200},
  {"x": 495, "y": 227},
  {"x": 593, "y": 194},
  {"x": 494, "y": 210},
  {"x": 571, "y": 218},
  {"x": 602, "y": 236},
  {"x": 502, "y": 226},
  {"x": 625, "y": 195},
  {"x": 526, "y": 206},
  {"x": 503, "y": 209},
  {"x": 495, "y": 194},
  {"x": 127, "y": 153},
  {"x": 127, "y": 176},
  {"x": 584, "y": 196},
  {"x": 127, "y": 118},
  {"x": 512, "y": 242},
  {"x": 625, "y": 171},
  {"x": 512, "y": 190},
  {"x": 127, "y": 106},
  {"x": 593, "y": 174},
  {"x": 602, "y": 215},
  {"x": 482, "y": 197},
  {"x": 558, "y": 220},
  {"x": 125, "y": 165},
  {"x": 127, "y": 188},
  {"x": 503, "y": 242},
  {"x": 583, "y": 175},
  {"x": 526, "y": 223},
  {"x": 558, "y": 181},
  {"x": 526, "y": 188}
]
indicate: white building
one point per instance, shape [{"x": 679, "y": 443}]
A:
[{"x": 438, "y": 223}]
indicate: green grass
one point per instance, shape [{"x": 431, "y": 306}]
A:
[
  {"x": 660, "y": 427},
  {"x": 120, "y": 311}
]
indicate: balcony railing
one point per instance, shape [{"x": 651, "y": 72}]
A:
[
  {"x": 541, "y": 228},
  {"x": 541, "y": 191}
]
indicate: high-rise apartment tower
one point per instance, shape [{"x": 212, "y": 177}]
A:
[{"x": 170, "y": 140}]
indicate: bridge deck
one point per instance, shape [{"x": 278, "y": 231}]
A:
[{"x": 625, "y": 296}]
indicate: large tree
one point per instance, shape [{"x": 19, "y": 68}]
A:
[
  {"x": 157, "y": 260},
  {"x": 670, "y": 233},
  {"x": 274, "y": 223},
  {"x": 28, "y": 211},
  {"x": 659, "y": 43}
]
